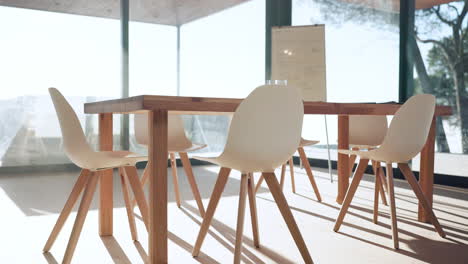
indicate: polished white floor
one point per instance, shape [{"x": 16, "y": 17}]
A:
[{"x": 30, "y": 204}]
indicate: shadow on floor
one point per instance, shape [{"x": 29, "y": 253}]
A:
[
  {"x": 422, "y": 248},
  {"x": 45, "y": 193},
  {"x": 226, "y": 236},
  {"x": 439, "y": 190}
]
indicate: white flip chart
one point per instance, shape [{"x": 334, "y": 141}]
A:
[{"x": 298, "y": 56}]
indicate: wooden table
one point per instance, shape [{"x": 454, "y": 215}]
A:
[{"x": 158, "y": 108}]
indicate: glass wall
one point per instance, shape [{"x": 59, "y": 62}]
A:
[
  {"x": 222, "y": 55},
  {"x": 79, "y": 55},
  {"x": 362, "y": 56},
  {"x": 152, "y": 63},
  {"x": 153, "y": 59},
  {"x": 440, "y": 69}
]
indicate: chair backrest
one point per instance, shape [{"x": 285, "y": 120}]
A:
[
  {"x": 177, "y": 140},
  {"x": 369, "y": 130},
  {"x": 266, "y": 128},
  {"x": 74, "y": 141},
  {"x": 409, "y": 129}
]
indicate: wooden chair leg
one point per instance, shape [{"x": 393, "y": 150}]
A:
[
  {"x": 350, "y": 193},
  {"x": 253, "y": 210},
  {"x": 306, "y": 164},
  {"x": 391, "y": 195},
  {"x": 376, "y": 169},
  {"x": 132, "y": 176},
  {"x": 283, "y": 206},
  {"x": 382, "y": 193},
  {"x": 215, "y": 196},
  {"x": 283, "y": 175},
  {"x": 74, "y": 195},
  {"x": 240, "y": 218},
  {"x": 383, "y": 187},
  {"x": 352, "y": 160},
  {"x": 375, "y": 166},
  {"x": 144, "y": 180},
  {"x": 408, "y": 173},
  {"x": 175, "y": 179},
  {"x": 291, "y": 170},
  {"x": 145, "y": 177},
  {"x": 126, "y": 196},
  {"x": 259, "y": 183},
  {"x": 80, "y": 217},
  {"x": 376, "y": 198},
  {"x": 193, "y": 184},
  {"x": 383, "y": 179}
]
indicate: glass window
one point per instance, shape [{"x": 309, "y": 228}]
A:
[
  {"x": 222, "y": 55},
  {"x": 152, "y": 62},
  {"x": 153, "y": 59},
  {"x": 362, "y": 57},
  {"x": 79, "y": 55},
  {"x": 439, "y": 69}
]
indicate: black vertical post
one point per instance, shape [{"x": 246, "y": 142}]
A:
[
  {"x": 277, "y": 13},
  {"x": 406, "y": 82},
  {"x": 124, "y": 24}
]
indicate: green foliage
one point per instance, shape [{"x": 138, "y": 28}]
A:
[
  {"x": 441, "y": 73},
  {"x": 441, "y": 69},
  {"x": 437, "y": 20}
]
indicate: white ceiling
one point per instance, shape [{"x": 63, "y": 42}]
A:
[
  {"x": 170, "y": 12},
  {"x": 166, "y": 12}
]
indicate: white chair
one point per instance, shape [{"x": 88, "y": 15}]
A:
[
  {"x": 249, "y": 149},
  {"x": 367, "y": 132},
  {"x": 92, "y": 162},
  {"x": 305, "y": 162},
  {"x": 405, "y": 138},
  {"x": 177, "y": 142}
]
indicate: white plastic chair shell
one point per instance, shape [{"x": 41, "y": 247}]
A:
[
  {"x": 77, "y": 148},
  {"x": 407, "y": 133},
  {"x": 177, "y": 140},
  {"x": 177, "y": 143},
  {"x": 367, "y": 131},
  {"x": 405, "y": 138},
  {"x": 305, "y": 142},
  {"x": 265, "y": 130}
]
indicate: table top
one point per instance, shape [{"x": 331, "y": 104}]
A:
[{"x": 210, "y": 105}]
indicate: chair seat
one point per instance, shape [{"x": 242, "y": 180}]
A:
[
  {"x": 360, "y": 153},
  {"x": 243, "y": 166},
  {"x": 376, "y": 155},
  {"x": 194, "y": 147},
  {"x": 305, "y": 142},
  {"x": 239, "y": 164},
  {"x": 216, "y": 161},
  {"x": 362, "y": 146},
  {"x": 113, "y": 159}
]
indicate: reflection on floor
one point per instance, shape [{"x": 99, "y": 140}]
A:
[{"x": 30, "y": 205}]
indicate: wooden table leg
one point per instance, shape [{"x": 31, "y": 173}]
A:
[
  {"x": 157, "y": 126},
  {"x": 426, "y": 173},
  {"x": 105, "y": 180},
  {"x": 343, "y": 159}
]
